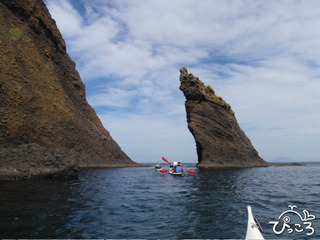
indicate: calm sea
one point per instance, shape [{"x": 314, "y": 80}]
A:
[{"x": 140, "y": 203}]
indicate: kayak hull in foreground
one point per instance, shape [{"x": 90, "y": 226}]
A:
[
  {"x": 176, "y": 174},
  {"x": 253, "y": 229}
]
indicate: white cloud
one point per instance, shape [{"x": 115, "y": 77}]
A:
[
  {"x": 261, "y": 57},
  {"x": 68, "y": 19},
  {"x": 113, "y": 97}
]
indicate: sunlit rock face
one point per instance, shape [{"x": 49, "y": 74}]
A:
[
  {"x": 220, "y": 142},
  {"x": 47, "y": 129}
]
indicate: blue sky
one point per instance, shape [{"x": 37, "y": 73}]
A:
[{"x": 262, "y": 57}]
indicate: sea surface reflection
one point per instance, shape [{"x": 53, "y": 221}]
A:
[{"x": 140, "y": 203}]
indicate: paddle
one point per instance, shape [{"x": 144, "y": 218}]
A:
[
  {"x": 192, "y": 171},
  {"x": 164, "y": 159},
  {"x": 163, "y": 170}
]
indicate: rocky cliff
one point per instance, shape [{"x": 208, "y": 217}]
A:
[
  {"x": 219, "y": 139},
  {"x": 47, "y": 127}
]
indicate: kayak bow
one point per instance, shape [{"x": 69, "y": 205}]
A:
[{"x": 253, "y": 228}]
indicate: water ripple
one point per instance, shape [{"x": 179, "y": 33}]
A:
[{"x": 139, "y": 203}]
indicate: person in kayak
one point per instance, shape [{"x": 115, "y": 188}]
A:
[
  {"x": 157, "y": 166},
  {"x": 178, "y": 168},
  {"x": 174, "y": 165}
]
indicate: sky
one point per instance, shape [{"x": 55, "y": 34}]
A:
[{"x": 262, "y": 57}]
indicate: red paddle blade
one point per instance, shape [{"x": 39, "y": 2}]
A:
[
  {"x": 162, "y": 170},
  {"x": 191, "y": 171},
  {"x": 164, "y": 159}
]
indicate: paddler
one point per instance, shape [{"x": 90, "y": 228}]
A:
[
  {"x": 174, "y": 165},
  {"x": 157, "y": 166},
  {"x": 178, "y": 168}
]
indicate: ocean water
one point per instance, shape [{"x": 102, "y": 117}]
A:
[{"x": 141, "y": 203}]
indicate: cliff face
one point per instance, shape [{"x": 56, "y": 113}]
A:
[
  {"x": 47, "y": 127},
  {"x": 219, "y": 139}
]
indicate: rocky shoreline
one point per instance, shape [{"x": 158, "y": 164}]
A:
[{"x": 32, "y": 161}]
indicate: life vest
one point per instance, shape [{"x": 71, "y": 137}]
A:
[{"x": 178, "y": 169}]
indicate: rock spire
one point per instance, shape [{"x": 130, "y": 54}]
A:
[{"x": 220, "y": 142}]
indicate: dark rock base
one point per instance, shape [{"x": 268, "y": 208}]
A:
[{"x": 32, "y": 161}]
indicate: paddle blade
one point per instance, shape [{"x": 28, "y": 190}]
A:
[
  {"x": 192, "y": 171},
  {"x": 164, "y": 159},
  {"x": 162, "y": 170}
]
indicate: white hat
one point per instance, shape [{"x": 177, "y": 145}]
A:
[{"x": 175, "y": 163}]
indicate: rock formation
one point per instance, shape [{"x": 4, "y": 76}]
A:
[
  {"x": 219, "y": 139},
  {"x": 47, "y": 127}
]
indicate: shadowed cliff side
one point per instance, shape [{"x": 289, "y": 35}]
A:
[
  {"x": 219, "y": 139},
  {"x": 47, "y": 127}
]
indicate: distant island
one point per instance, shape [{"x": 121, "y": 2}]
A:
[{"x": 281, "y": 160}]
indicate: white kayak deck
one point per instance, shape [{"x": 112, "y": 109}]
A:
[{"x": 253, "y": 230}]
